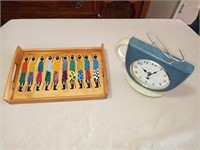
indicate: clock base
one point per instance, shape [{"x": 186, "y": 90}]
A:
[{"x": 141, "y": 89}]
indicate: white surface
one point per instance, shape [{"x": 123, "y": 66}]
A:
[{"x": 126, "y": 120}]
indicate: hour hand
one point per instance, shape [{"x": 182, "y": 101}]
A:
[
  {"x": 144, "y": 70},
  {"x": 155, "y": 72}
]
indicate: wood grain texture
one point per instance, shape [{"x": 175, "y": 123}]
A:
[
  {"x": 12, "y": 94},
  {"x": 68, "y": 9}
]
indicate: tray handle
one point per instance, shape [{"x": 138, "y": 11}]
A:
[{"x": 14, "y": 70}]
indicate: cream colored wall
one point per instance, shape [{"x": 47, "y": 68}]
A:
[
  {"x": 185, "y": 10},
  {"x": 189, "y": 11}
]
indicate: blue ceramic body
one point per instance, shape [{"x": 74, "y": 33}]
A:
[{"x": 177, "y": 71}]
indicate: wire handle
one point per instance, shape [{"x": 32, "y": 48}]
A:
[{"x": 164, "y": 50}]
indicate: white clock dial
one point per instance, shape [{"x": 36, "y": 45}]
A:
[{"x": 150, "y": 74}]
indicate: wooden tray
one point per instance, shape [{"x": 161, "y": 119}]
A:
[{"x": 38, "y": 89}]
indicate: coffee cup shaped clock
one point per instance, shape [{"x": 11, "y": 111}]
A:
[{"x": 151, "y": 70}]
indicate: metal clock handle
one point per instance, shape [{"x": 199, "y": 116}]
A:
[
  {"x": 118, "y": 52},
  {"x": 164, "y": 49}
]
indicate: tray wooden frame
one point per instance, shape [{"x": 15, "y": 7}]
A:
[{"x": 15, "y": 69}]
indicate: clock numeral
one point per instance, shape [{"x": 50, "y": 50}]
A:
[
  {"x": 153, "y": 84},
  {"x": 146, "y": 81},
  {"x": 135, "y": 66},
  {"x": 136, "y": 72},
  {"x": 139, "y": 63},
  {"x": 164, "y": 81},
  {"x": 160, "y": 84},
  {"x": 153, "y": 64}
]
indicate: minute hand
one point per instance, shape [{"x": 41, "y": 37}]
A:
[
  {"x": 149, "y": 73},
  {"x": 154, "y": 72}
]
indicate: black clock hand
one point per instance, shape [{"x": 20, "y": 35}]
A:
[
  {"x": 154, "y": 72},
  {"x": 149, "y": 73},
  {"x": 144, "y": 70}
]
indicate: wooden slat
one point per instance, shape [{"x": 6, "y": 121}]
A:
[{"x": 12, "y": 95}]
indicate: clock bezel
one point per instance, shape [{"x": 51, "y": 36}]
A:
[{"x": 148, "y": 86}]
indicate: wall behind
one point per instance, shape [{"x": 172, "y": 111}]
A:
[
  {"x": 189, "y": 11},
  {"x": 162, "y": 8}
]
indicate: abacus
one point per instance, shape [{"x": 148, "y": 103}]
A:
[{"x": 58, "y": 74}]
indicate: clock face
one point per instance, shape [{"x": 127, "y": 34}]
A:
[{"x": 150, "y": 74}]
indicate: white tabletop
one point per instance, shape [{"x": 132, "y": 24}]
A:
[{"x": 126, "y": 119}]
